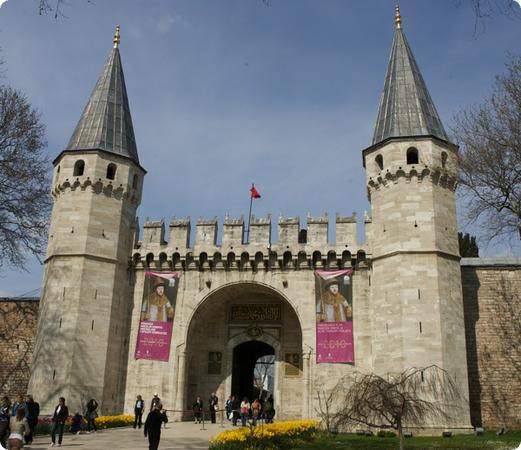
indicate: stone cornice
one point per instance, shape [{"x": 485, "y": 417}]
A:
[
  {"x": 417, "y": 252},
  {"x": 82, "y": 255},
  {"x": 436, "y": 176},
  {"x": 99, "y": 186}
]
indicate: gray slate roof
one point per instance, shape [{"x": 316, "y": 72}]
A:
[
  {"x": 406, "y": 108},
  {"x": 106, "y": 123}
]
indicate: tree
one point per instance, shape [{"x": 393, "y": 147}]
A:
[
  {"x": 410, "y": 398},
  {"x": 24, "y": 198},
  {"x": 468, "y": 248},
  {"x": 490, "y": 158}
]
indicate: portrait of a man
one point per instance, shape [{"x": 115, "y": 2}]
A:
[
  {"x": 332, "y": 305},
  {"x": 157, "y": 307}
]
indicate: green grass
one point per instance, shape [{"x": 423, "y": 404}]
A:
[{"x": 461, "y": 442}]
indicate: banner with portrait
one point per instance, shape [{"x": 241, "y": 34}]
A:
[
  {"x": 157, "y": 315},
  {"x": 334, "y": 316}
]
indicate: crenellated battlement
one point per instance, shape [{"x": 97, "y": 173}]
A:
[
  {"x": 419, "y": 174},
  {"x": 296, "y": 248},
  {"x": 99, "y": 186}
]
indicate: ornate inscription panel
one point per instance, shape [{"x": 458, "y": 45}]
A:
[{"x": 256, "y": 313}]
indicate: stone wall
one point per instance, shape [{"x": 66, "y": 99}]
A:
[
  {"x": 492, "y": 302},
  {"x": 17, "y": 332}
]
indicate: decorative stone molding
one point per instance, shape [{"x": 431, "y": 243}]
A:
[
  {"x": 107, "y": 188},
  {"x": 436, "y": 176}
]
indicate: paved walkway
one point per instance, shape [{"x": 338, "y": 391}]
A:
[{"x": 177, "y": 435}]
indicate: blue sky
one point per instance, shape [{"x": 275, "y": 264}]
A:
[{"x": 226, "y": 92}]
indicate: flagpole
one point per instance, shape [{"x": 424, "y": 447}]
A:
[{"x": 249, "y": 217}]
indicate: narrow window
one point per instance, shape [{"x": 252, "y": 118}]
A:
[
  {"x": 420, "y": 327},
  {"x": 54, "y": 374},
  {"x": 423, "y": 379},
  {"x": 111, "y": 171},
  {"x": 419, "y": 295},
  {"x": 444, "y": 159},
  {"x": 79, "y": 168},
  {"x": 60, "y": 323},
  {"x": 379, "y": 160},
  {"x": 135, "y": 182},
  {"x": 412, "y": 156},
  {"x": 92, "y": 325}
]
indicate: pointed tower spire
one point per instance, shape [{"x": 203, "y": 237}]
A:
[
  {"x": 106, "y": 123},
  {"x": 406, "y": 108}
]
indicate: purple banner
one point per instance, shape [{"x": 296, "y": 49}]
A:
[
  {"x": 334, "y": 316},
  {"x": 335, "y": 342},
  {"x": 153, "y": 340},
  {"x": 157, "y": 315}
]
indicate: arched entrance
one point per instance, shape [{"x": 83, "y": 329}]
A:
[
  {"x": 229, "y": 331},
  {"x": 250, "y": 372}
]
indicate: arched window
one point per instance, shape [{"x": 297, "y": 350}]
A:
[
  {"x": 111, "y": 171},
  {"x": 444, "y": 157},
  {"x": 379, "y": 160},
  {"x": 135, "y": 181},
  {"x": 79, "y": 168},
  {"x": 412, "y": 156}
]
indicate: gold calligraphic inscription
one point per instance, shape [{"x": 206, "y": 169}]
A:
[
  {"x": 256, "y": 313},
  {"x": 214, "y": 363},
  {"x": 292, "y": 364}
]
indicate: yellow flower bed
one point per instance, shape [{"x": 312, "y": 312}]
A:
[
  {"x": 293, "y": 428},
  {"x": 114, "y": 421}
]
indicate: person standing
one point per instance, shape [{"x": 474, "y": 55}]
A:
[
  {"x": 139, "y": 406},
  {"x": 61, "y": 412},
  {"x": 5, "y": 416},
  {"x": 33, "y": 411},
  {"x": 155, "y": 402},
  {"x": 245, "y": 410},
  {"x": 91, "y": 414},
  {"x": 197, "y": 408},
  {"x": 213, "y": 405},
  {"x": 153, "y": 426},
  {"x": 19, "y": 428},
  {"x": 255, "y": 410}
]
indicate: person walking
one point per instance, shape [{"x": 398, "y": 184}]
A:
[
  {"x": 197, "y": 408},
  {"x": 91, "y": 414},
  {"x": 228, "y": 407},
  {"x": 19, "y": 428},
  {"x": 213, "y": 405},
  {"x": 5, "y": 417},
  {"x": 33, "y": 411},
  {"x": 236, "y": 407},
  {"x": 139, "y": 406},
  {"x": 152, "y": 427},
  {"x": 155, "y": 402},
  {"x": 61, "y": 412},
  {"x": 19, "y": 403}
]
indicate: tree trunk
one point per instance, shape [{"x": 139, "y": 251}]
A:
[{"x": 400, "y": 435}]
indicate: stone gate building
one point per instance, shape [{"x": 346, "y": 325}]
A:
[{"x": 238, "y": 301}]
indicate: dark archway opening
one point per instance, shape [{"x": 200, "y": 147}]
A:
[{"x": 245, "y": 356}]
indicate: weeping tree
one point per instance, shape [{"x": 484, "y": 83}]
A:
[{"x": 410, "y": 398}]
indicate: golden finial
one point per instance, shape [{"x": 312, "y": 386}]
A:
[
  {"x": 397, "y": 17},
  {"x": 116, "y": 37}
]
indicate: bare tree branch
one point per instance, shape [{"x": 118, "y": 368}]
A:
[
  {"x": 490, "y": 159},
  {"x": 24, "y": 197},
  {"x": 410, "y": 398}
]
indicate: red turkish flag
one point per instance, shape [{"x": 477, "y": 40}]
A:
[{"x": 254, "y": 192}]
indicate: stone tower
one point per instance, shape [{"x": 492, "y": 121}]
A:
[
  {"x": 82, "y": 337},
  {"x": 411, "y": 171}
]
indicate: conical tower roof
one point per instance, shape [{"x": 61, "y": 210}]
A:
[
  {"x": 406, "y": 108},
  {"x": 106, "y": 123}
]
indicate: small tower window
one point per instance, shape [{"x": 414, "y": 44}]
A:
[
  {"x": 444, "y": 159},
  {"x": 135, "y": 182},
  {"x": 379, "y": 160},
  {"x": 79, "y": 168},
  {"x": 111, "y": 171},
  {"x": 412, "y": 156}
]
